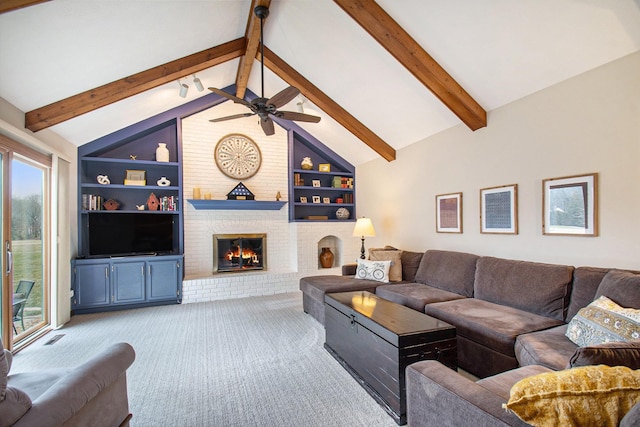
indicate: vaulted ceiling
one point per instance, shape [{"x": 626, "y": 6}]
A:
[{"x": 382, "y": 75}]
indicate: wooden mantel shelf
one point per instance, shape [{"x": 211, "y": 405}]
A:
[{"x": 251, "y": 205}]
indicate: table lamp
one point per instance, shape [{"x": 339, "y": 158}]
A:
[{"x": 363, "y": 228}]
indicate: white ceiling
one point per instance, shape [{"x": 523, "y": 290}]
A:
[{"x": 498, "y": 50}]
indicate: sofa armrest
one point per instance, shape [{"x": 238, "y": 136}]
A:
[
  {"x": 349, "y": 269},
  {"x": 74, "y": 390},
  {"x": 438, "y": 396}
]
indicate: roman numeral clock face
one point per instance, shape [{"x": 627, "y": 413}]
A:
[{"x": 238, "y": 156}]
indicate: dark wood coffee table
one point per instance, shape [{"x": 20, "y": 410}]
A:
[{"x": 375, "y": 340}]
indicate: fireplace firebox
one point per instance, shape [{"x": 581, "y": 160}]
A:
[{"x": 239, "y": 252}]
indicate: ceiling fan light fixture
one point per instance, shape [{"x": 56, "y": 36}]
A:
[
  {"x": 198, "y": 83},
  {"x": 184, "y": 88}
]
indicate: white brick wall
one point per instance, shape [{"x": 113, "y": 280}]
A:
[{"x": 292, "y": 248}]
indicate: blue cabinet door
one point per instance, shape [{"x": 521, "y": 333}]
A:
[
  {"x": 163, "y": 279},
  {"x": 128, "y": 282},
  {"x": 91, "y": 285}
]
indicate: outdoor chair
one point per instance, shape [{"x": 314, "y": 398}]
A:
[{"x": 20, "y": 297}]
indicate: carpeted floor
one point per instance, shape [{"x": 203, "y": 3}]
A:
[{"x": 246, "y": 362}]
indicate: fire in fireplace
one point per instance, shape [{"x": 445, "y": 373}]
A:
[{"x": 239, "y": 252}]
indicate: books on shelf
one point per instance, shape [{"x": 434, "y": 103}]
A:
[
  {"x": 92, "y": 202},
  {"x": 298, "y": 180},
  {"x": 342, "y": 182},
  {"x": 347, "y": 198}
]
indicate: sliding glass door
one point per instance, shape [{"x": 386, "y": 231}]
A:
[{"x": 25, "y": 261}]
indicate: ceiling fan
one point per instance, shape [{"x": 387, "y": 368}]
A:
[{"x": 262, "y": 106}]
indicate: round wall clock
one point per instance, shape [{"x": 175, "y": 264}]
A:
[{"x": 238, "y": 156}]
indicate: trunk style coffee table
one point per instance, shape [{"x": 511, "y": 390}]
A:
[{"x": 375, "y": 340}]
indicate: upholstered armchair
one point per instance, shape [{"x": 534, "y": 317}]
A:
[{"x": 94, "y": 393}]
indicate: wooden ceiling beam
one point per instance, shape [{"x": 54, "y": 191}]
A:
[
  {"x": 252, "y": 37},
  {"x": 328, "y": 105},
  {"x": 9, "y": 5},
  {"x": 102, "y": 96},
  {"x": 414, "y": 58}
]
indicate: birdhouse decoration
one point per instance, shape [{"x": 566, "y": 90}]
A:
[{"x": 153, "y": 203}]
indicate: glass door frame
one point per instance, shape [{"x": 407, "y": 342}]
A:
[{"x": 8, "y": 148}]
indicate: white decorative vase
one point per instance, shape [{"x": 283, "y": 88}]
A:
[{"x": 162, "y": 152}]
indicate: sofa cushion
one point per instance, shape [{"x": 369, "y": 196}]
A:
[
  {"x": 590, "y": 395},
  {"x": 604, "y": 321},
  {"x": 15, "y": 404},
  {"x": 492, "y": 325},
  {"x": 501, "y": 384},
  {"x": 622, "y": 287},
  {"x": 393, "y": 255},
  {"x": 535, "y": 287},
  {"x": 316, "y": 286},
  {"x": 610, "y": 354},
  {"x": 373, "y": 270},
  {"x": 583, "y": 289},
  {"x": 550, "y": 348},
  {"x": 414, "y": 295},
  {"x": 410, "y": 263},
  {"x": 449, "y": 271}
]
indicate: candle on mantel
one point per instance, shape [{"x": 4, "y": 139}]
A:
[
  {"x": 196, "y": 193},
  {"x": 207, "y": 196}
]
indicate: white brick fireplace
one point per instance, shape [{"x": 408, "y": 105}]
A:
[{"x": 292, "y": 248}]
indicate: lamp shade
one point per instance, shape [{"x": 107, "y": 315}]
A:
[{"x": 364, "y": 228}]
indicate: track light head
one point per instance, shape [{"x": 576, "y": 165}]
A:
[
  {"x": 183, "y": 89},
  {"x": 198, "y": 83}
]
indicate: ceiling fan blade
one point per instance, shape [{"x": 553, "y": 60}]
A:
[
  {"x": 231, "y": 97},
  {"x": 283, "y": 97},
  {"x": 267, "y": 126},
  {"x": 294, "y": 115},
  {"x": 235, "y": 116}
]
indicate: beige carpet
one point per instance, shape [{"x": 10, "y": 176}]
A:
[{"x": 246, "y": 362}]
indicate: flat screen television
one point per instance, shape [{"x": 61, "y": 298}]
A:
[{"x": 130, "y": 234}]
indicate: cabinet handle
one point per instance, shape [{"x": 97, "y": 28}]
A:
[
  {"x": 142, "y": 270},
  {"x": 9, "y": 258},
  {"x": 149, "y": 268},
  {"x": 106, "y": 272}
]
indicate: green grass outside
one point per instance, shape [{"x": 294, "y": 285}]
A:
[{"x": 27, "y": 264}]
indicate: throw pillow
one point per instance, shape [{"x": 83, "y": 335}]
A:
[
  {"x": 14, "y": 406},
  {"x": 603, "y": 321},
  {"x": 611, "y": 354},
  {"x": 586, "y": 396},
  {"x": 4, "y": 371},
  {"x": 393, "y": 255},
  {"x": 622, "y": 287},
  {"x": 373, "y": 270}
]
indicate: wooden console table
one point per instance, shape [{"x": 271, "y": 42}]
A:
[{"x": 375, "y": 340}]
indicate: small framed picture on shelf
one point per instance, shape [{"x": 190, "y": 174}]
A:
[
  {"x": 324, "y": 167},
  {"x": 135, "y": 177},
  {"x": 316, "y": 199},
  {"x": 315, "y": 182},
  {"x": 303, "y": 199},
  {"x": 326, "y": 200}
]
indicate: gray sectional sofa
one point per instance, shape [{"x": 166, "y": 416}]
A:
[{"x": 507, "y": 313}]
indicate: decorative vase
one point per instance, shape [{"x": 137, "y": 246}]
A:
[
  {"x": 163, "y": 182},
  {"x": 326, "y": 258},
  {"x": 343, "y": 213},
  {"x": 162, "y": 152},
  {"x": 306, "y": 163}
]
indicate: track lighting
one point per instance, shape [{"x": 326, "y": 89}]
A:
[
  {"x": 183, "y": 89},
  {"x": 198, "y": 83}
]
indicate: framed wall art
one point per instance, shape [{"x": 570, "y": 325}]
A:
[
  {"x": 449, "y": 213},
  {"x": 499, "y": 209},
  {"x": 570, "y": 205}
]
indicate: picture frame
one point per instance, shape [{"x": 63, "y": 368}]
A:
[
  {"x": 315, "y": 183},
  {"x": 326, "y": 200},
  {"x": 449, "y": 213},
  {"x": 303, "y": 199},
  {"x": 499, "y": 210},
  {"x": 324, "y": 167},
  {"x": 315, "y": 199},
  {"x": 570, "y": 205}
]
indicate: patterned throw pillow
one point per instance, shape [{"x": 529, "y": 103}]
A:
[
  {"x": 393, "y": 255},
  {"x": 373, "y": 270},
  {"x": 603, "y": 321},
  {"x": 586, "y": 396}
]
